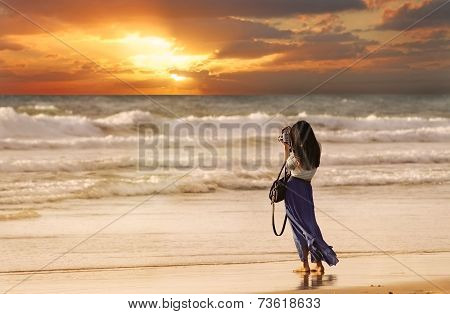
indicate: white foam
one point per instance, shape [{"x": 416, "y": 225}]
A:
[
  {"x": 412, "y": 156},
  {"x": 129, "y": 161},
  {"x": 15, "y": 125},
  {"x": 125, "y": 119},
  {"x": 42, "y": 191},
  {"x": 373, "y": 122},
  {"x": 109, "y": 141},
  {"x": 66, "y": 165},
  {"x": 381, "y": 176},
  {"x": 18, "y": 215},
  {"x": 329, "y": 122},
  {"x": 255, "y": 116},
  {"x": 44, "y": 107},
  {"x": 423, "y": 134},
  {"x": 205, "y": 182},
  {"x": 22, "y": 125},
  {"x": 22, "y": 131}
]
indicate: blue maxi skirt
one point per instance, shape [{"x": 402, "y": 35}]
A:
[{"x": 300, "y": 211}]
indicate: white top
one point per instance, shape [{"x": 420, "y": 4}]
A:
[{"x": 296, "y": 170}]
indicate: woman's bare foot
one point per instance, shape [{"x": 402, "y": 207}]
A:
[
  {"x": 302, "y": 269},
  {"x": 318, "y": 269}
]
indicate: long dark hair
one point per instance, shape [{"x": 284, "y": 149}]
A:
[{"x": 305, "y": 146}]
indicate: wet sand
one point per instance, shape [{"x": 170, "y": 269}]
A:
[
  {"x": 428, "y": 273},
  {"x": 222, "y": 243}
]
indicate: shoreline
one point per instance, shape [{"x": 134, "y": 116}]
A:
[
  {"x": 352, "y": 275},
  {"x": 345, "y": 255}
]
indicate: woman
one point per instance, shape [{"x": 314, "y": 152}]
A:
[{"x": 302, "y": 159}]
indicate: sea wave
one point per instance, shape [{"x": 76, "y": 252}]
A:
[
  {"x": 423, "y": 134},
  {"x": 430, "y": 135},
  {"x": 374, "y": 123},
  {"x": 126, "y": 120},
  {"x": 18, "y": 214},
  {"x": 43, "y": 109},
  {"x": 22, "y": 125},
  {"x": 406, "y": 156},
  {"x": 80, "y": 163},
  {"x": 66, "y": 165},
  {"x": 108, "y": 141},
  {"x": 200, "y": 181},
  {"x": 43, "y": 126},
  {"x": 23, "y": 131}
]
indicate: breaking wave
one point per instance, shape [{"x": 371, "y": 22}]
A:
[
  {"x": 198, "y": 181},
  {"x": 25, "y": 131},
  {"x": 76, "y": 164}
]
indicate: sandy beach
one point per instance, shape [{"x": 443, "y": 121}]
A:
[
  {"x": 355, "y": 275},
  {"x": 229, "y": 247}
]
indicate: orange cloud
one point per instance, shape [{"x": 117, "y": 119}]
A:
[
  {"x": 206, "y": 46},
  {"x": 408, "y": 14}
]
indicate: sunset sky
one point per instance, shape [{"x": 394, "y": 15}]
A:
[{"x": 221, "y": 47}]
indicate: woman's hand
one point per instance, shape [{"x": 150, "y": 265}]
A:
[
  {"x": 287, "y": 149},
  {"x": 281, "y": 141}
]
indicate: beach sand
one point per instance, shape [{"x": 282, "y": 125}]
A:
[
  {"x": 369, "y": 274},
  {"x": 223, "y": 243}
]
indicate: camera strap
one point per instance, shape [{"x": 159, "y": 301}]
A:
[{"x": 273, "y": 206}]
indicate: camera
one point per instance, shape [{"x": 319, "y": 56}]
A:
[{"x": 285, "y": 136}]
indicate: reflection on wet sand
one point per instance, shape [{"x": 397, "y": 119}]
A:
[{"x": 310, "y": 281}]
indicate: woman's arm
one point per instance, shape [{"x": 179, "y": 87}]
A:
[
  {"x": 291, "y": 161},
  {"x": 286, "y": 151}
]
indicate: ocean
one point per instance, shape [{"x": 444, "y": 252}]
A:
[{"x": 55, "y": 148}]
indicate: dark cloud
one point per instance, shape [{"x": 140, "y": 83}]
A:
[
  {"x": 408, "y": 14},
  {"x": 254, "y": 8},
  {"x": 79, "y": 82},
  {"x": 140, "y": 16},
  {"x": 433, "y": 44},
  {"x": 250, "y": 49},
  {"x": 314, "y": 46},
  {"x": 322, "y": 51},
  {"x": 224, "y": 29},
  {"x": 330, "y": 37},
  {"x": 323, "y": 23},
  {"x": 48, "y": 76},
  {"x": 329, "y": 46},
  {"x": 5, "y": 74},
  {"x": 8, "y": 45},
  {"x": 375, "y": 4},
  {"x": 182, "y": 8},
  {"x": 353, "y": 81},
  {"x": 387, "y": 53}
]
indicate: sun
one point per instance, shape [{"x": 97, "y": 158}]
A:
[
  {"x": 177, "y": 78},
  {"x": 160, "y": 56}
]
